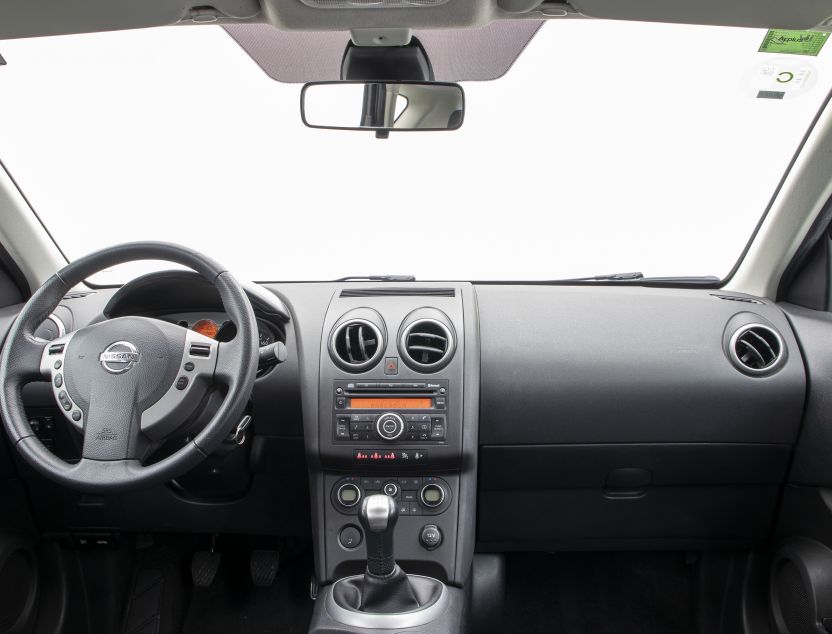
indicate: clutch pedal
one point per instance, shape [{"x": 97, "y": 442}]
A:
[{"x": 204, "y": 566}]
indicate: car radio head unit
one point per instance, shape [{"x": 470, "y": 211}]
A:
[{"x": 393, "y": 411}]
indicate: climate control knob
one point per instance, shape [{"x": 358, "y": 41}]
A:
[
  {"x": 390, "y": 426},
  {"x": 348, "y": 495},
  {"x": 432, "y": 495}
]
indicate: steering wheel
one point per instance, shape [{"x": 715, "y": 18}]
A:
[{"x": 128, "y": 382}]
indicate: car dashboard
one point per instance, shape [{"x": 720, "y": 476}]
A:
[{"x": 621, "y": 416}]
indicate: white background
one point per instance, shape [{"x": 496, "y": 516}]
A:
[{"x": 607, "y": 147}]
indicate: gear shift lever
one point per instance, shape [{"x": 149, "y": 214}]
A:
[
  {"x": 385, "y": 588},
  {"x": 378, "y": 515}
]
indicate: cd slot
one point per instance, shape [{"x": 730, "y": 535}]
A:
[{"x": 426, "y": 388}]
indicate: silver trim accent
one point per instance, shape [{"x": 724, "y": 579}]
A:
[
  {"x": 396, "y": 621},
  {"x": 426, "y": 367},
  {"x": 422, "y": 495},
  {"x": 377, "y": 508},
  {"x": 735, "y": 359},
  {"x": 338, "y": 494},
  {"x": 59, "y": 324},
  {"x": 356, "y": 367},
  {"x": 390, "y": 415}
]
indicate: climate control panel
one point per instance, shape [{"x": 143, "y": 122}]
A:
[{"x": 414, "y": 495}]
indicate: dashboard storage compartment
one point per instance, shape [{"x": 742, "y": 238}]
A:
[{"x": 628, "y": 496}]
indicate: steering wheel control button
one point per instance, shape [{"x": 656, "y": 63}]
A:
[
  {"x": 390, "y": 426},
  {"x": 391, "y": 489},
  {"x": 189, "y": 366},
  {"x": 76, "y": 415},
  {"x": 432, "y": 496},
  {"x": 430, "y": 537},
  {"x": 63, "y": 399},
  {"x": 58, "y": 364},
  {"x": 181, "y": 383},
  {"x": 348, "y": 495},
  {"x": 349, "y": 537},
  {"x": 58, "y": 380}
]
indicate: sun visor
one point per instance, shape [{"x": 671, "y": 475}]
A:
[
  {"x": 478, "y": 54},
  {"x": 802, "y": 14}
]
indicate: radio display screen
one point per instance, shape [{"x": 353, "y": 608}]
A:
[{"x": 391, "y": 403}]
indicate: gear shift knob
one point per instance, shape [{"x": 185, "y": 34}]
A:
[{"x": 378, "y": 515}]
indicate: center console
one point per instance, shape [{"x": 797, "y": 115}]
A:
[{"x": 397, "y": 421}]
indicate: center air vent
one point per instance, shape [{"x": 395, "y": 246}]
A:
[
  {"x": 756, "y": 349},
  {"x": 356, "y": 345},
  {"x": 426, "y": 345}
]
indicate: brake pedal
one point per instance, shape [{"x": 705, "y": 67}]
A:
[
  {"x": 204, "y": 566},
  {"x": 264, "y": 565}
]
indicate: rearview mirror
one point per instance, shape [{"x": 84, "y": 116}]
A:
[{"x": 382, "y": 106}]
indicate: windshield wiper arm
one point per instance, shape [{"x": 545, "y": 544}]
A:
[
  {"x": 611, "y": 277},
  {"x": 378, "y": 278}
]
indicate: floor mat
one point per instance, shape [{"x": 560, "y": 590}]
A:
[
  {"x": 234, "y": 604},
  {"x": 600, "y": 593}
]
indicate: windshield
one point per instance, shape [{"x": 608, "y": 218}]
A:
[{"x": 606, "y": 147}]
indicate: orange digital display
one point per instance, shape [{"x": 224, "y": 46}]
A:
[
  {"x": 207, "y": 327},
  {"x": 391, "y": 403}
]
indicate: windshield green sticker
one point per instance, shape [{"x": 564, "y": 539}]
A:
[{"x": 794, "y": 42}]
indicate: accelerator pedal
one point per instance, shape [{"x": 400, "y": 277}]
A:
[
  {"x": 204, "y": 566},
  {"x": 264, "y": 565}
]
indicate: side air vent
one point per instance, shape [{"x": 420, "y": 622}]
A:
[
  {"x": 398, "y": 292},
  {"x": 756, "y": 349},
  {"x": 426, "y": 345},
  {"x": 356, "y": 345}
]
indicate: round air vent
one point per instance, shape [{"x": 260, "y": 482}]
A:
[
  {"x": 426, "y": 344},
  {"x": 756, "y": 349},
  {"x": 356, "y": 345}
]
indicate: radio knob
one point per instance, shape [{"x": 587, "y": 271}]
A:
[{"x": 390, "y": 426}]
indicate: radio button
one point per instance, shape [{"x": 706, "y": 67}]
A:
[{"x": 342, "y": 432}]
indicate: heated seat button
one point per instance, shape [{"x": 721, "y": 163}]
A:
[{"x": 349, "y": 537}]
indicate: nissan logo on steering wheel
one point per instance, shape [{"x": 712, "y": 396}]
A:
[{"x": 119, "y": 357}]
